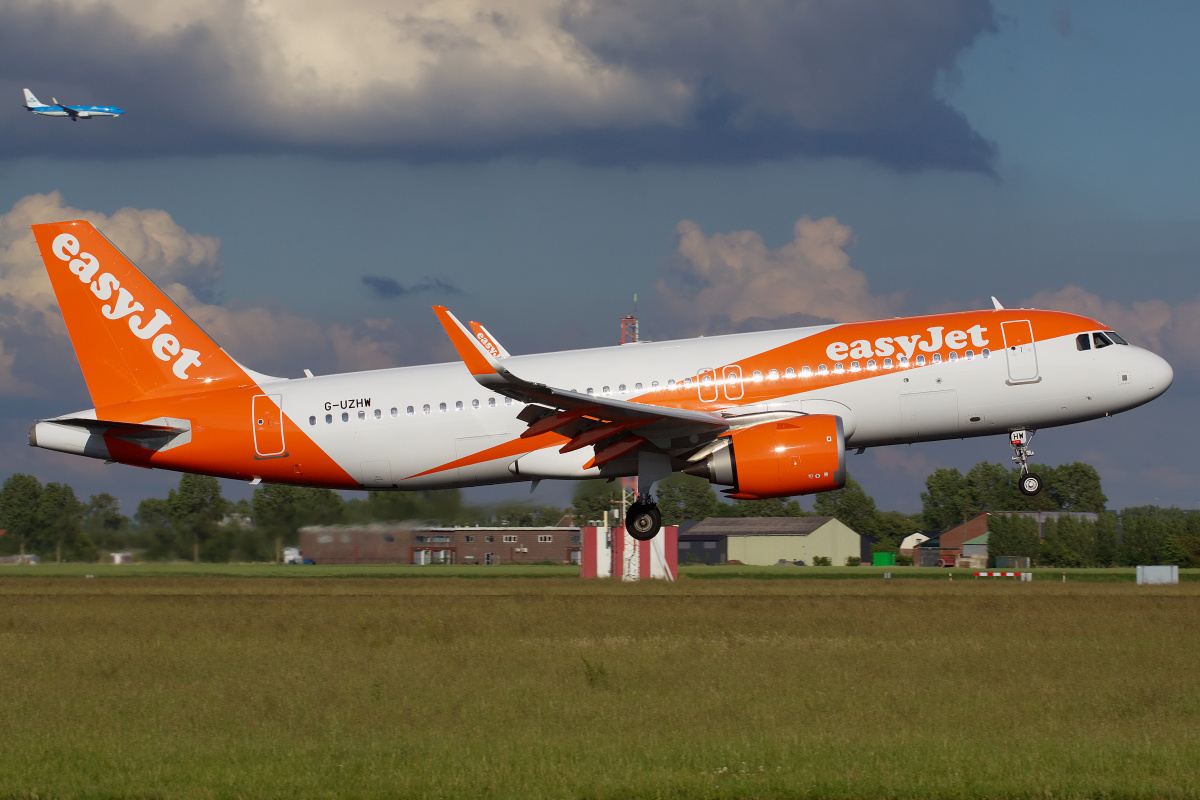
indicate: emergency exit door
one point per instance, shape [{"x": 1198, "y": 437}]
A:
[{"x": 268, "y": 426}]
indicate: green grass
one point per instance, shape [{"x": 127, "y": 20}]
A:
[{"x": 183, "y": 686}]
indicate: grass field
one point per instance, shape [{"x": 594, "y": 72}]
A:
[{"x": 228, "y": 683}]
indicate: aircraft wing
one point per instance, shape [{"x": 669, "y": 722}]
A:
[{"x": 603, "y": 422}]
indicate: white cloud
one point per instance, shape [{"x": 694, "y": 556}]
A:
[
  {"x": 670, "y": 80},
  {"x": 35, "y": 353},
  {"x": 735, "y": 277}
]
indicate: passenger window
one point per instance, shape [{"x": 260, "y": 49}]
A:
[
  {"x": 425, "y": 408},
  {"x": 789, "y": 373},
  {"x": 345, "y": 417},
  {"x": 1101, "y": 340},
  {"x": 362, "y": 415},
  {"x": 687, "y": 383},
  {"x": 953, "y": 356},
  {"x": 590, "y": 391},
  {"x": 1083, "y": 342},
  {"x": 508, "y": 401},
  {"x": 871, "y": 363},
  {"x": 671, "y": 384},
  {"x": 970, "y": 355},
  {"x": 854, "y": 367},
  {"x": 474, "y": 404},
  {"x": 442, "y": 407},
  {"x": 806, "y": 372},
  {"x": 937, "y": 358},
  {"x": 838, "y": 369},
  {"x": 773, "y": 375},
  {"x": 491, "y": 402},
  {"x": 458, "y": 406},
  {"x": 410, "y": 411},
  {"x": 920, "y": 361},
  {"x": 904, "y": 361},
  {"x": 312, "y": 420},
  {"x": 985, "y": 353},
  {"x": 328, "y": 419},
  {"x": 379, "y": 412},
  {"x": 887, "y": 363},
  {"x": 637, "y": 387},
  {"x": 606, "y": 391},
  {"x": 653, "y": 384},
  {"x": 621, "y": 388},
  {"x": 757, "y": 376},
  {"x": 822, "y": 369}
]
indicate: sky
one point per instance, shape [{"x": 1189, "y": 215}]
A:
[{"x": 307, "y": 180}]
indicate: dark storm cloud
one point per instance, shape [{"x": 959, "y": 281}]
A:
[
  {"x": 620, "y": 82},
  {"x": 390, "y": 289}
]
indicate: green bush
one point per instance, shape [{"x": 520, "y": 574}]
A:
[
  {"x": 904, "y": 560},
  {"x": 853, "y": 561},
  {"x": 822, "y": 561}
]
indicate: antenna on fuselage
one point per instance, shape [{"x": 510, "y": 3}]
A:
[{"x": 996, "y": 303}]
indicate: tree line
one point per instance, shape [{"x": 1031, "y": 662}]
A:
[{"x": 195, "y": 522}]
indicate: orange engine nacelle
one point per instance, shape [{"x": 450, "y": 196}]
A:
[{"x": 780, "y": 459}]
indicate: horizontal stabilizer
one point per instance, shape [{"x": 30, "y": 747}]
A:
[{"x": 100, "y": 427}]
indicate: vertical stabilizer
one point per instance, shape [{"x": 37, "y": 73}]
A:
[
  {"x": 132, "y": 341},
  {"x": 31, "y": 101}
]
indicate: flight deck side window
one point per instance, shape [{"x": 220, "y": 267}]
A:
[
  {"x": 1101, "y": 340},
  {"x": 1112, "y": 335},
  {"x": 1083, "y": 342}
]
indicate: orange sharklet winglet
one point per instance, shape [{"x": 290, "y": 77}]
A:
[{"x": 469, "y": 348}]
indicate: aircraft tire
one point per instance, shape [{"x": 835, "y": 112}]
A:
[
  {"x": 643, "y": 521},
  {"x": 1030, "y": 484}
]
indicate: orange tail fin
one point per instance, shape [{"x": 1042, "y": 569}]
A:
[{"x": 131, "y": 340}]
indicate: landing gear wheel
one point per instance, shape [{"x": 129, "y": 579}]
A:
[
  {"x": 1030, "y": 484},
  {"x": 643, "y": 521}
]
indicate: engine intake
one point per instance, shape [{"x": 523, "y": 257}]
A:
[{"x": 803, "y": 455}]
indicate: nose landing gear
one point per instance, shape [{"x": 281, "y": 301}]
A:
[
  {"x": 1030, "y": 484},
  {"x": 643, "y": 519}
]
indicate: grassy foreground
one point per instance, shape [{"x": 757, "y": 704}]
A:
[{"x": 207, "y": 687}]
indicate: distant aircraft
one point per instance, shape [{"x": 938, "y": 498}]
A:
[
  {"x": 768, "y": 414},
  {"x": 57, "y": 109}
]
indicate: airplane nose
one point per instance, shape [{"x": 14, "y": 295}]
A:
[{"x": 1158, "y": 373}]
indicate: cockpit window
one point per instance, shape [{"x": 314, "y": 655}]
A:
[
  {"x": 1101, "y": 340},
  {"x": 1083, "y": 342},
  {"x": 1115, "y": 337}
]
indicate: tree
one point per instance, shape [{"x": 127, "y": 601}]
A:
[
  {"x": 104, "y": 524},
  {"x": 945, "y": 500},
  {"x": 195, "y": 508},
  {"x": 1075, "y": 487},
  {"x": 155, "y": 530},
  {"x": 685, "y": 497},
  {"x": 280, "y": 510},
  {"x": 770, "y": 507},
  {"x": 851, "y": 506},
  {"x": 592, "y": 498},
  {"x": 19, "y": 511},
  {"x": 1013, "y": 536},
  {"x": 60, "y": 514}
]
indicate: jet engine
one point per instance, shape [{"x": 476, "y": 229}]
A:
[{"x": 802, "y": 455}]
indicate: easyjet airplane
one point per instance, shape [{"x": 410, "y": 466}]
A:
[{"x": 766, "y": 414}]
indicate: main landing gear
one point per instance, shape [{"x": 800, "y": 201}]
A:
[
  {"x": 1030, "y": 484},
  {"x": 643, "y": 519}
]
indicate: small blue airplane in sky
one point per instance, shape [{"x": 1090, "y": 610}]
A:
[{"x": 57, "y": 109}]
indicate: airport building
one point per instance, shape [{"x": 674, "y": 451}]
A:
[
  {"x": 767, "y": 541},
  {"x": 398, "y": 543}
]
